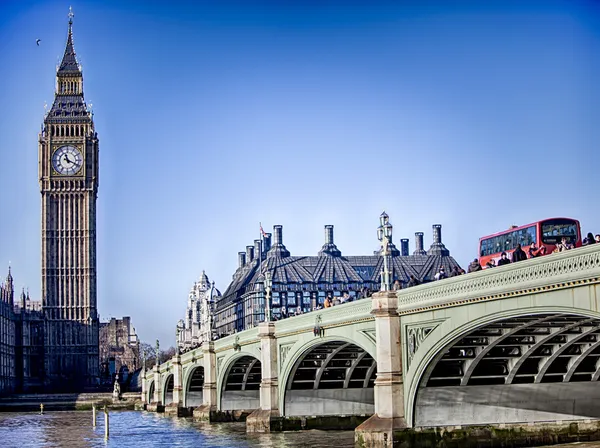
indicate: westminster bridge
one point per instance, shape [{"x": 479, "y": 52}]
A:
[{"x": 512, "y": 344}]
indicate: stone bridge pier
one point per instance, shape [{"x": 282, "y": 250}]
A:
[
  {"x": 379, "y": 429},
  {"x": 267, "y": 417}
]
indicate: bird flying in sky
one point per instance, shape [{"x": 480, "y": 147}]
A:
[{"x": 37, "y": 41}]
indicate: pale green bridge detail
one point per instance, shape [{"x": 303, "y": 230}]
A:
[{"x": 486, "y": 329}]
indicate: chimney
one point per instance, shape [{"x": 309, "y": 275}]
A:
[
  {"x": 437, "y": 247},
  {"x": 267, "y": 242},
  {"x": 249, "y": 254},
  {"x": 257, "y": 249},
  {"x": 404, "y": 247},
  {"x": 419, "y": 244},
  {"x": 329, "y": 234},
  {"x": 241, "y": 259},
  {"x": 278, "y": 237},
  {"x": 329, "y": 248},
  {"x": 278, "y": 248},
  {"x": 437, "y": 234}
]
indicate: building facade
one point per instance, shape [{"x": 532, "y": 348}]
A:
[
  {"x": 119, "y": 349},
  {"x": 299, "y": 284},
  {"x": 198, "y": 323},
  {"x": 21, "y": 341},
  {"x": 8, "y": 373},
  {"x": 68, "y": 177}
]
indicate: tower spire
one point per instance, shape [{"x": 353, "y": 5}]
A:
[{"x": 69, "y": 61}]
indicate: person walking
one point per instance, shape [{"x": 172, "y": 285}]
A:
[
  {"x": 518, "y": 254},
  {"x": 441, "y": 274},
  {"x": 412, "y": 281},
  {"x": 503, "y": 260},
  {"x": 474, "y": 266}
]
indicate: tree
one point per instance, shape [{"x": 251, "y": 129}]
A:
[{"x": 150, "y": 352}]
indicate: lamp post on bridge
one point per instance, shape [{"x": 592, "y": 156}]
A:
[
  {"x": 384, "y": 234},
  {"x": 388, "y": 392},
  {"x": 266, "y": 286}
]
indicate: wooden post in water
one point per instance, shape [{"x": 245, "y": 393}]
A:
[
  {"x": 94, "y": 415},
  {"x": 106, "y": 424},
  {"x": 41, "y": 408}
]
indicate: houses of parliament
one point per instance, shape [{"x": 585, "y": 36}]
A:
[{"x": 52, "y": 344}]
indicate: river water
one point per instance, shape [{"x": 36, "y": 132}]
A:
[
  {"x": 141, "y": 429},
  {"x": 144, "y": 429}
]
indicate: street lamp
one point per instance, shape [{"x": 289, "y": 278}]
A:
[
  {"x": 268, "y": 287},
  {"x": 384, "y": 234}
]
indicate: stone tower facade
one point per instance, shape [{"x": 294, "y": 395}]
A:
[{"x": 68, "y": 176}]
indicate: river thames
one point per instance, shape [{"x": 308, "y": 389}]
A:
[
  {"x": 141, "y": 429},
  {"x": 135, "y": 429}
]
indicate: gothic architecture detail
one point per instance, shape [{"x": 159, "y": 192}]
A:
[
  {"x": 21, "y": 341},
  {"x": 197, "y": 326},
  {"x": 68, "y": 177}
]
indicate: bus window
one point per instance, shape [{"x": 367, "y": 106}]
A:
[
  {"x": 508, "y": 241},
  {"x": 553, "y": 231}
]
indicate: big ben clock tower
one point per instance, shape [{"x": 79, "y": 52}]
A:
[{"x": 68, "y": 175}]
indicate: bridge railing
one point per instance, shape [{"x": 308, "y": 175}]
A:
[{"x": 564, "y": 268}]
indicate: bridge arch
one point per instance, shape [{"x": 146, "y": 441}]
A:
[
  {"x": 505, "y": 359},
  {"x": 329, "y": 376},
  {"x": 240, "y": 383},
  {"x": 150, "y": 398},
  {"x": 168, "y": 386},
  {"x": 193, "y": 386}
]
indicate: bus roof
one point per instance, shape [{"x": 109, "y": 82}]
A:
[{"x": 512, "y": 229}]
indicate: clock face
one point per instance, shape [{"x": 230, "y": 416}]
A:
[{"x": 67, "y": 160}]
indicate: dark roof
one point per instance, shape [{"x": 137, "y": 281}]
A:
[
  {"x": 69, "y": 108},
  {"x": 326, "y": 272},
  {"x": 69, "y": 65}
]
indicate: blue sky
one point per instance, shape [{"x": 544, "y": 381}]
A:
[{"x": 215, "y": 116}]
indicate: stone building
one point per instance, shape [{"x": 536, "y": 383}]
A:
[
  {"x": 21, "y": 341},
  {"x": 198, "y": 323},
  {"x": 119, "y": 349},
  {"x": 68, "y": 149},
  {"x": 301, "y": 283},
  {"x": 8, "y": 374}
]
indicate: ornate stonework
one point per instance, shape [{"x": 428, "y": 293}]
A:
[
  {"x": 284, "y": 349},
  {"x": 555, "y": 271},
  {"x": 68, "y": 177}
]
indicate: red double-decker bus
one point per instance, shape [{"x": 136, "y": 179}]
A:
[{"x": 547, "y": 233}]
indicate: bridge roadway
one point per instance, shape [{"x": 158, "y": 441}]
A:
[{"x": 512, "y": 344}]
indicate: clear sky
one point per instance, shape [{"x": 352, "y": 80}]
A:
[{"x": 215, "y": 116}]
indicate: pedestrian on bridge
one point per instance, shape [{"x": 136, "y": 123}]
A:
[
  {"x": 519, "y": 254},
  {"x": 503, "y": 260},
  {"x": 474, "y": 266}
]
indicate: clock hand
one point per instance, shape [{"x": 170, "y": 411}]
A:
[{"x": 67, "y": 158}]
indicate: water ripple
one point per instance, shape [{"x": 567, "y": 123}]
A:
[{"x": 139, "y": 429}]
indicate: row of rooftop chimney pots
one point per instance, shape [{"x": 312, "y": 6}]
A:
[{"x": 247, "y": 257}]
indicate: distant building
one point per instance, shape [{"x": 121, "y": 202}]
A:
[
  {"x": 119, "y": 349},
  {"x": 301, "y": 283},
  {"x": 8, "y": 374},
  {"x": 21, "y": 341},
  {"x": 197, "y": 325}
]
